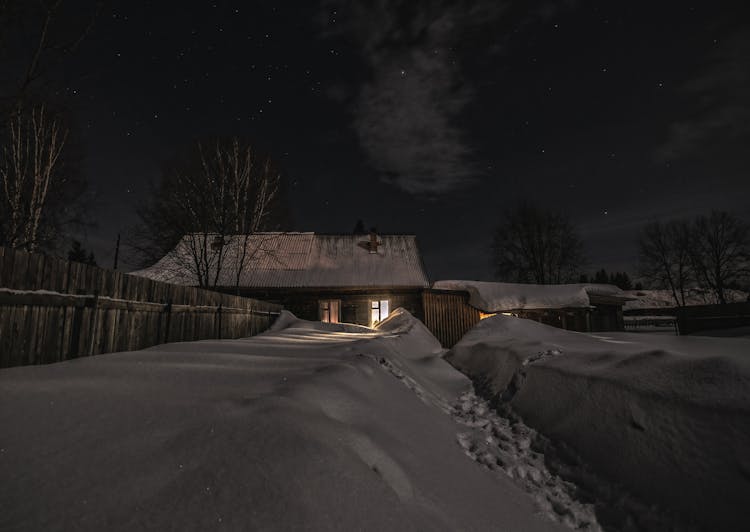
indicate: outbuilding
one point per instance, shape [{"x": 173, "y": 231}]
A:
[{"x": 453, "y": 307}]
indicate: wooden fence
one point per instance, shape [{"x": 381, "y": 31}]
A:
[
  {"x": 53, "y": 310},
  {"x": 448, "y": 315},
  {"x": 698, "y": 318}
]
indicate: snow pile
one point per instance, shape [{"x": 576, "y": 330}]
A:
[
  {"x": 663, "y": 298},
  {"x": 303, "y": 427},
  {"x": 666, "y": 417},
  {"x": 419, "y": 354},
  {"x": 288, "y": 320},
  {"x": 504, "y": 297}
]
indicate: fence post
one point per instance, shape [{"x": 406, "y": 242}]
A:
[
  {"x": 167, "y": 311},
  {"x": 218, "y": 316},
  {"x": 94, "y": 320}
]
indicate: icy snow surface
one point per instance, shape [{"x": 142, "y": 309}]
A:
[
  {"x": 306, "y": 427},
  {"x": 502, "y": 297},
  {"x": 666, "y": 417}
]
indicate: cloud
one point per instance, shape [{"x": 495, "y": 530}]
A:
[
  {"x": 406, "y": 114},
  {"x": 721, "y": 99},
  {"x": 405, "y": 122}
]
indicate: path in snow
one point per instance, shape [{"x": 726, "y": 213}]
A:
[
  {"x": 507, "y": 448},
  {"x": 562, "y": 485}
]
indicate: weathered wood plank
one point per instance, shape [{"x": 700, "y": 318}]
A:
[{"x": 53, "y": 310}]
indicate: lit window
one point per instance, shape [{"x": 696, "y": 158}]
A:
[
  {"x": 378, "y": 311},
  {"x": 329, "y": 310}
]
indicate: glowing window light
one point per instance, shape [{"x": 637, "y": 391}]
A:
[{"x": 379, "y": 310}]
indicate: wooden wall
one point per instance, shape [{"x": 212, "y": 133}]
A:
[
  {"x": 448, "y": 315},
  {"x": 53, "y": 310},
  {"x": 355, "y": 303}
]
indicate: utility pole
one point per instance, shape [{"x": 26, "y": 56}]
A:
[{"x": 117, "y": 251}]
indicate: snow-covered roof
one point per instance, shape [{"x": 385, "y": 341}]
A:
[
  {"x": 506, "y": 297},
  {"x": 302, "y": 260}
]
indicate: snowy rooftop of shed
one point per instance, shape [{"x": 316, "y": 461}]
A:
[
  {"x": 302, "y": 260},
  {"x": 505, "y": 297}
]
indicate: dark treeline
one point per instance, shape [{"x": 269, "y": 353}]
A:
[{"x": 619, "y": 279}]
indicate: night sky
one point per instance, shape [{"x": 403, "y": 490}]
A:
[{"x": 431, "y": 117}]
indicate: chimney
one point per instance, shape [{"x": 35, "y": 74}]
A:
[{"x": 374, "y": 241}]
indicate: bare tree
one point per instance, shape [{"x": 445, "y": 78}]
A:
[
  {"x": 720, "y": 251},
  {"x": 665, "y": 257},
  {"x": 57, "y": 28},
  {"x": 42, "y": 193},
  {"x": 27, "y": 167},
  {"x": 39, "y": 195},
  {"x": 535, "y": 246},
  {"x": 207, "y": 207}
]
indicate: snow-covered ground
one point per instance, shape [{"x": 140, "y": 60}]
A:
[
  {"x": 306, "y": 427},
  {"x": 665, "y": 417}
]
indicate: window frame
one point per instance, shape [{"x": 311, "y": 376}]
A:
[
  {"x": 379, "y": 305},
  {"x": 325, "y": 307}
]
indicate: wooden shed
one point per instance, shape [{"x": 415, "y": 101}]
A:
[{"x": 454, "y": 307}]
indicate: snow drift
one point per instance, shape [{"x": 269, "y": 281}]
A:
[
  {"x": 666, "y": 417},
  {"x": 504, "y": 297},
  {"x": 304, "y": 427}
]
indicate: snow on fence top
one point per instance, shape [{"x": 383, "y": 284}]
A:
[
  {"x": 505, "y": 297},
  {"x": 302, "y": 260}
]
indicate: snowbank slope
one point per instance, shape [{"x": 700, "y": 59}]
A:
[
  {"x": 668, "y": 417},
  {"x": 298, "y": 428}
]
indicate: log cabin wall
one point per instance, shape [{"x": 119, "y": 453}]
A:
[
  {"x": 53, "y": 310},
  {"x": 448, "y": 315},
  {"x": 355, "y": 302}
]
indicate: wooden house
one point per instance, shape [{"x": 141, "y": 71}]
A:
[
  {"x": 335, "y": 278},
  {"x": 361, "y": 278}
]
